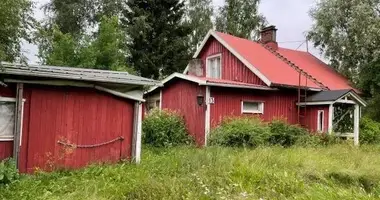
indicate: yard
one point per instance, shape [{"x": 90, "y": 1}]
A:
[{"x": 334, "y": 172}]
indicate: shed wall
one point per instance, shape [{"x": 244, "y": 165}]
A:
[
  {"x": 181, "y": 96},
  {"x": 232, "y": 68},
  {"x": 77, "y": 116}
]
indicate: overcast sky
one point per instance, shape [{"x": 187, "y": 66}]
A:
[{"x": 289, "y": 16}]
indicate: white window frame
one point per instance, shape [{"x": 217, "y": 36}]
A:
[
  {"x": 319, "y": 121},
  {"x": 208, "y": 67},
  {"x": 259, "y": 111},
  {"x": 13, "y": 100}
]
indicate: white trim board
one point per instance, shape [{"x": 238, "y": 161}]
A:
[
  {"x": 319, "y": 121},
  {"x": 235, "y": 53}
]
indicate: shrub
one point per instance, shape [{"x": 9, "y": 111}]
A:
[
  {"x": 240, "y": 132},
  {"x": 369, "y": 131},
  {"x": 285, "y": 134},
  {"x": 165, "y": 129},
  {"x": 8, "y": 171}
]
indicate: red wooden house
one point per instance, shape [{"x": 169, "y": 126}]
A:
[
  {"x": 231, "y": 76},
  {"x": 69, "y": 117}
]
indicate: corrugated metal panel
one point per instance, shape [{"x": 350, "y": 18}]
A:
[
  {"x": 232, "y": 68},
  {"x": 277, "y": 104},
  {"x": 181, "y": 95},
  {"x": 75, "y": 73},
  {"x": 311, "y": 120},
  {"x": 78, "y": 116}
]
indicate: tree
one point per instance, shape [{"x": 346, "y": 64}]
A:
[
  {"x": 198, "y": 16},
  {"x": 347, "y": 32},
  {"x": 240, "y": 18},
  {"x": 158, "y": 37},
  {"x": 104, "y": 49},
  {"x": 16, "y": 22}
]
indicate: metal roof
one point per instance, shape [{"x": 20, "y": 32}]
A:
[
  {"x": 330, "y": 95},
  {"x": 74, "y": 73}
]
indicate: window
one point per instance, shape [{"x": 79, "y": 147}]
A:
[
  {"x": 214, "y": 66},
  {"x": 7, "y": 116},
  {"x": 252, "y": 107},
  {"x": 321, "y": 119}
]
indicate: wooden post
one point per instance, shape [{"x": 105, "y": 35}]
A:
[
  {"x": 136, "y": 140},
  {"x": 18, "y": 121},
  {"x": 331, "y": 118},
  {"x": 356, "y": 124},
  {"x": 207, "y": 114}
]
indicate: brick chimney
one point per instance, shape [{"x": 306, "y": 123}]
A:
[{"x": 268, "y": 37}]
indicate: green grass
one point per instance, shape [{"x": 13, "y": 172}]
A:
[{"x": 336, "y": 172}]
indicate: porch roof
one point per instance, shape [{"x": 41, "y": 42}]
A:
[{"x": 335, "y": 96}]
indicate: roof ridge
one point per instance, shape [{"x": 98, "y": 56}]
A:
[{"x": 294, "y": 66}]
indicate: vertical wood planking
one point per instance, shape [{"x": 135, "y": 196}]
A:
[
  {"x": 78, "y": 116},
  {"x": 232, "y": 68}
]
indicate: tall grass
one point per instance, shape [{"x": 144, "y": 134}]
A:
[{"x": 334, "y": 172}]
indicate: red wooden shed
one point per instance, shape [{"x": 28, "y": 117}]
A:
[
  {"x": 231, "y": 76},
  {"x": 62, "y": 117}
]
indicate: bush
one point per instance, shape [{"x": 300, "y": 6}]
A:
[
  {"x": 165, "y": 129},
  {"x": 285, "y": 134},
  {"x": 8, "y": 171},
  {"x": 369, "y": 131},
  {"x": 240, "y": 132}
]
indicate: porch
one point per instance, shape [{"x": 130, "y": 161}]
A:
[{"x": 344, "y": 112}]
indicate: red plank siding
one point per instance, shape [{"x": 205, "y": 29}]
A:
[
  {"x": 311, "y": 121},
  {"x": 78, "y": 116},
  {"x": 181, "y": 96},
  {"x": 232, "y": 68},
  {"x": 6, "y": 149},
  {"x": 277, "y": 104}
]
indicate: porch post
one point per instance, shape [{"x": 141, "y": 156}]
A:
[
  {"x": 207, "y": 114},
  {"x": 331, "y": 118},
  {"x": 356, "y": 124}
]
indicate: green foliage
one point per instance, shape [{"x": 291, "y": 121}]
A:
[
  {"x": 347, "y": 32},
  {"x": 158, "y": 37},
  {"x": 8, "y": 171},
  {"x": 103, "y": 50},
  {"x": 284, "y": 134},
  {"x": 198, "y": 16},
  {"x": 252, "y": 132},
  {"x": 240, "y": 18},
  {"x": 165, "y": 128},
  {"x": 333, "y": 172},
  {"x": 240, "y": 132},
  {"x": 369, "y": 131},
  {"x": 16, "y": 22}
]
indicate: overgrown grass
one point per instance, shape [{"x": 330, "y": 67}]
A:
[{"x": 333, "y": 172}]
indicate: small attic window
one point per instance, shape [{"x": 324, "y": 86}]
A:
[{"x": 214, "y": 66}]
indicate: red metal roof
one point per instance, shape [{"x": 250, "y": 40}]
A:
[
  {"x": 277, "y": 65},
  {"x": 316, "y": 68}
]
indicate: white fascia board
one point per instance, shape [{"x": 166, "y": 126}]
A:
[
  {"x": 237, "y": 86},
  {"x": 316, "y": 103},
  {"x": 356, "y": 97},
  {"x": 236, "y": 54},
  {"x": 178, "y": 75}
]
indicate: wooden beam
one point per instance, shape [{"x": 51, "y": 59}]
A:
[
  {"x": 18, "y": 121},
  {"x": 136, "y": 139},
  {"x": 356, "y": 124},
  {"x": 207, "y": 114}
]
